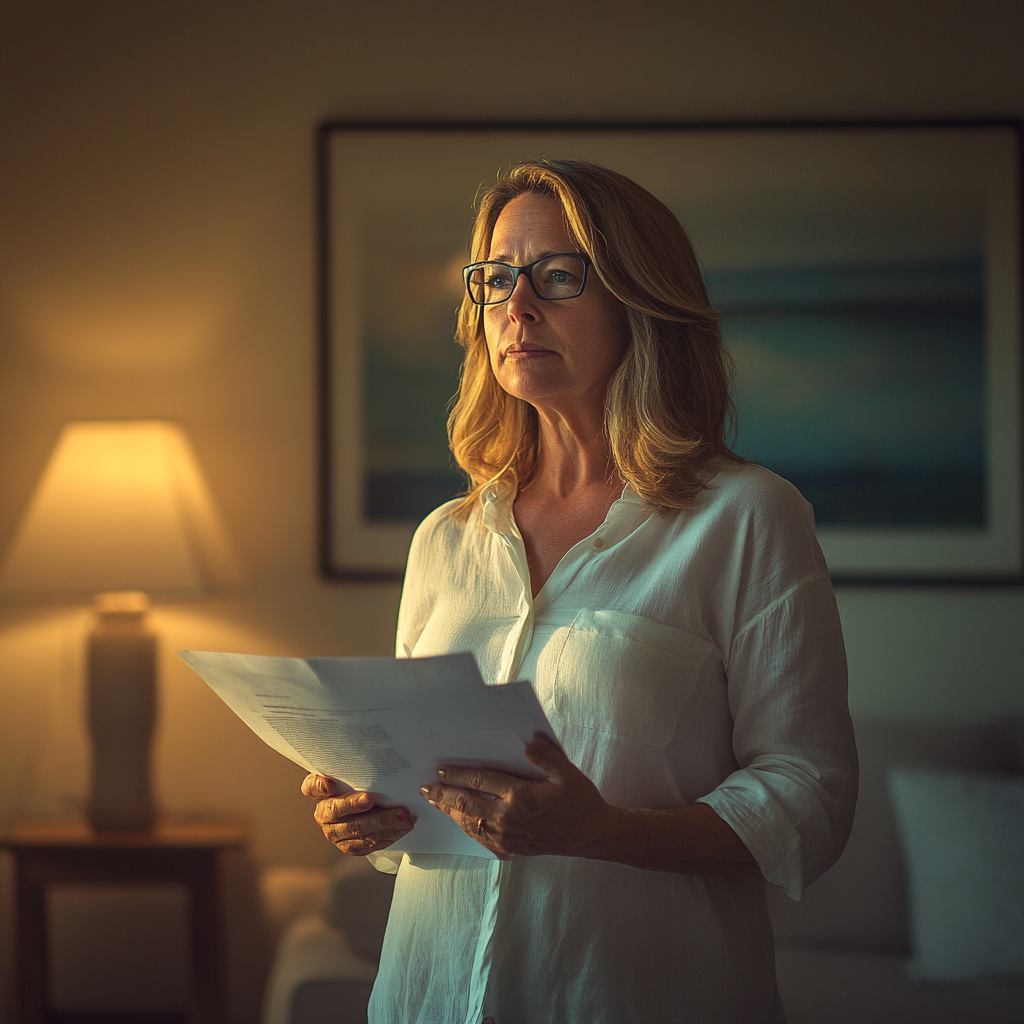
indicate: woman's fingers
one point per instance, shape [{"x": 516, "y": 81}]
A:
[
  {"x": 509, "y": 815},
  {"x": 468, "y": 811},
  {"x": 395, "y": 820},
  {"x": 350, "y": 820},
  {"x": 360, "y": 834},
  {"x": 480, "y": 780},
  {"x": 343, "y": 810},
  {"x": 347, "y": 837},
  {"x": 462, "y": 802},
  {"x": 467, "y": 794},
  {"x": 334, "y": 808},
  {"x": 316, "y": 787}
]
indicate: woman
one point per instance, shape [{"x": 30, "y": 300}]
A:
[{"x": 673, "y": 611}]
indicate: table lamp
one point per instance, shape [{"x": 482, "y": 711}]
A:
[{"x": 121, "y": 509}]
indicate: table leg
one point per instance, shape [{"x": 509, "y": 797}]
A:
[
  {"x": 31, "y": 943},
  {"x": 207, "y": 1005}
]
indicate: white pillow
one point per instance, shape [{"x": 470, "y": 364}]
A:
[{"x": 963, "y": 840}]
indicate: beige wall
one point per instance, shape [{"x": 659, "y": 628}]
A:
[{"x": 156, "y": 259}]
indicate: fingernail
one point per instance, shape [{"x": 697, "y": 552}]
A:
[
  {"x": 364, "y": 800},
  {"x": 424, "y": 791},
  {"x": 441, "y": 773},
  {"x": 402, "y": 816}
]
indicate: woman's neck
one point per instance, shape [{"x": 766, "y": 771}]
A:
[
  {"x": 572, "y": 457},
  {"x": 567, "y": 499}
]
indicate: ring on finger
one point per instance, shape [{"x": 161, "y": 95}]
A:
[{"x": 480, "y": 826}]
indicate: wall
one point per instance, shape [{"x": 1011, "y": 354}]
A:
[{"x": 157, "y": 260}]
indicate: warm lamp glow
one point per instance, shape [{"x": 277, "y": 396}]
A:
[{"x": 121, "y": 505}]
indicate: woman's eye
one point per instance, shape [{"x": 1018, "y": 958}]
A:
[
  {"x": 558, "y": 278},
  {"x": 498, "y": 279}
]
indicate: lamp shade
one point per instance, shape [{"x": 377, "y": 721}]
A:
[{"x": 121, "y": 505}]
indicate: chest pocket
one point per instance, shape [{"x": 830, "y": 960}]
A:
[{"x": 626, "y": 675}]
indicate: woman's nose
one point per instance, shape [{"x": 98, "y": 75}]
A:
[{"x": 522, "y": 304}]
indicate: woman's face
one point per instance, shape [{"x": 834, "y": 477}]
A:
[{"x": 555, "y": 355}]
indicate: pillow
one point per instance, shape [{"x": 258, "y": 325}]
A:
[{"x": 963, "y": 840}]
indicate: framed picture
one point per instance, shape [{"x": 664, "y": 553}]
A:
[{"x": 868, "y": 277}]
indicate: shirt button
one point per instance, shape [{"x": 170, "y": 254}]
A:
[{"x": 598, "y": 543}]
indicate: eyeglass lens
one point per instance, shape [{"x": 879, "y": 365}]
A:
[{"x": 554, "y": 277}]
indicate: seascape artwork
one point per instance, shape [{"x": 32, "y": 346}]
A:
[
  {"x": 865, "y": 387},
  {"x": 856, "y": 297},
  {"x": 410, "y": 373}
]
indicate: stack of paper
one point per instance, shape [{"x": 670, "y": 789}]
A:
[{"x": 383, "y": 725}]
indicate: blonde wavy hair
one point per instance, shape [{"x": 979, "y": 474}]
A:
[{"x": 668, "y": 404}]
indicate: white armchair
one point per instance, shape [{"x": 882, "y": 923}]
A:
[{"x": 331, "y": 926}]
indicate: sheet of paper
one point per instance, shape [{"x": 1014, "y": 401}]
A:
[{"x": 383, "y": 724}]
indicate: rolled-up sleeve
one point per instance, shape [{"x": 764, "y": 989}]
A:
[{"x": 793, "y": 797}]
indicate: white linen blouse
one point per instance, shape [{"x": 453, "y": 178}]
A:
[{"x": 694, "y": 657}]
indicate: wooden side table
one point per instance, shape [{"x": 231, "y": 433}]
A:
[{"x": 184, "y": 852}]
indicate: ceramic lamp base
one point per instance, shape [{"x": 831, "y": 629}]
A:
[{"x": 122, "y": 715}]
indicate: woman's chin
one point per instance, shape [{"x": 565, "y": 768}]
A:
[{"x": 532, "y": 384}]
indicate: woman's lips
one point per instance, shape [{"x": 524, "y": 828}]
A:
[{"x": 524, "y": 352}]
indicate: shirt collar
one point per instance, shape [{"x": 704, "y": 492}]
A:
[
  {"x": 497, "y": 497},
  {"x": 496, "y": 505}
]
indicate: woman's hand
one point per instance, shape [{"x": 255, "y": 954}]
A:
[
  {"x": 561, "y": 814},
  {"x": 350, "y": 821},
  {"x": 565, "y": 815}
]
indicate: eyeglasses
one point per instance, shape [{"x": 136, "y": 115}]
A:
[{"x": 560, "y": 276}]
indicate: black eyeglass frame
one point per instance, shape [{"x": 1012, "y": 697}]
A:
[{"x": 527, "y": 270}]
